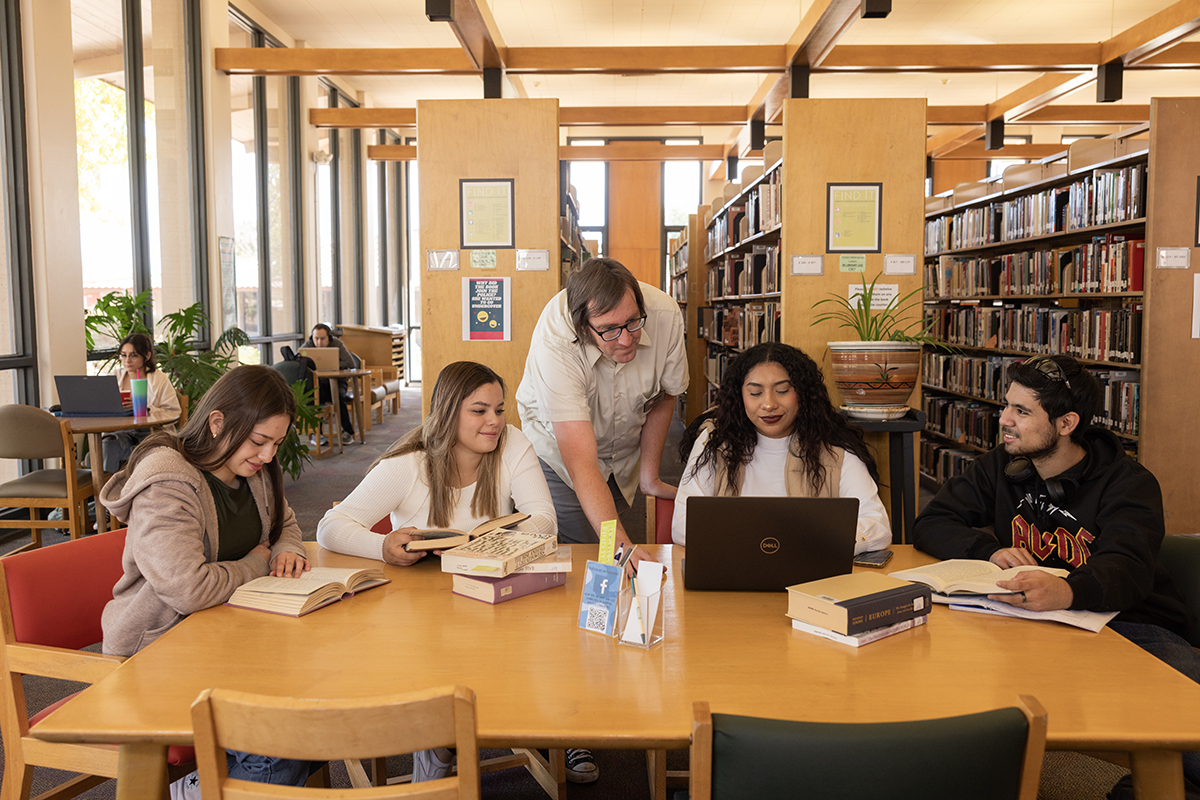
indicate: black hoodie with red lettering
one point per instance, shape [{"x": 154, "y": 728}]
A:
[{"x": 1107, "y": 533}]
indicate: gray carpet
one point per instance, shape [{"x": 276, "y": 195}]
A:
[{"x": 1066, "y": 776}]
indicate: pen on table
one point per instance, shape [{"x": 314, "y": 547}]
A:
[{"x": 638, "y": 606}]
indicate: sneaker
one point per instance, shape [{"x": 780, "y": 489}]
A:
[
  {"x": 312, "y": 441},
  {"x": 427, "y": 766},
  {"x": 347, "y": 437},
  {"x": 186, "y": 788},
  {"x": 580, "y": 766}
]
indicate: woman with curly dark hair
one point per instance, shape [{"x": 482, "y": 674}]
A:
[{"x": 775, "y": 433}]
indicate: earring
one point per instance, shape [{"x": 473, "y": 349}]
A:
[{"x": 214, "y": 436}]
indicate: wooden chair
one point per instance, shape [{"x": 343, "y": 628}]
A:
[
  {"x": 328, "y": 431},
  {"x": 50, "y": 605},
  {"x": 1180, "y": 554},
  {"x": 659, "y": 513},
  {"x": 324, "y": 729},
  {"x": 385, "y": 390},
  {"x": 183, "y": 410},
  {"x": 28, "y": 432},
  {"x": 993, "y": 755}
]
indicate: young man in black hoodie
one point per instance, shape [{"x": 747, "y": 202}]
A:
[{"x": 1060, "y": 493}]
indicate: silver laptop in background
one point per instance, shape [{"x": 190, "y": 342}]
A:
[
  {"x": 765, "y": 544},
  {"x": 325, "y": 358},
  {"x": 90, "y": 396}
]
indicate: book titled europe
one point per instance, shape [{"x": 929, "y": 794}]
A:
[
  {"x": 857, "y": 602},
  {"x": 500, "y": 553},
  {"x": 510, "y": 587},
  {"x": 859, "y": 639},
  {"x": 295, "y": 597}
]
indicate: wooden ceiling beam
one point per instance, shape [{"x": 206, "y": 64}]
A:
[
  {"x": 962, "y": 58},
  {"x": 652, "y": 115},
  {"x": 1100, "y": 114},
  {"x": 392, "y": 152},
  {"x": 955, "y": 115},
  {"x": 1039, "y": 92},
  {"x": 946, "y": 140},
  {"x": 645, "y": 60},
  {"x": 1184, "y": 55},
  {"x": 1154, "y": 34},
  {"x": 362, "y": 117},
  {"x": 341, "y": 61},
  {"x": 973, "y": 151},
  {"x": 476, "y": 31},
  {"x": 641, "y": 151}
]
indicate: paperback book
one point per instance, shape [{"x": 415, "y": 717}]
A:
[
  {"x": 445, "y": 538},
  {"x": 859, "y": 639},
  {"x": 499, "y": 553},
  {"x": 295, "y": 597}
]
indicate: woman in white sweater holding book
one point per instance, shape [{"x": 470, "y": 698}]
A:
[
  {"x": 463, "y": 466},
  {"x": 775, "y": 433}
]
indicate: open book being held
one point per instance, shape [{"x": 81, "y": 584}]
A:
[
  {"x": 967, "y": 576},
  {"x": 295, "y": 597},
  {"x": 445, "y": 538}
]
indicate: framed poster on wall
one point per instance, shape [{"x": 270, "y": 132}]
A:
[
  {"x": 486, "y": 218},
  {"x": 853, "y": 217}
]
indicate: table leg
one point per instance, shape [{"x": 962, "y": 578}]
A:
[
  {"x": 910, "y": 485},
  {"x": 337, "y": 413},
  {"x": 1157, "y": 774},
  {"x": 360, "y": 399},
  {"x": 656, "y": 769},
  {"x": 96, "y": 455},
  {"x": 141, "y": 771}
]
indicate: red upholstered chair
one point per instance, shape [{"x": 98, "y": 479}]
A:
[
  {"x": 384, "y": 525},
  {"x": 658, "y": 520},
  {"x": 50, "y": 605}
]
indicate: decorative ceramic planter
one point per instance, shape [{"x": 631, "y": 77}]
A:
[{"x": 875, "y": 373}]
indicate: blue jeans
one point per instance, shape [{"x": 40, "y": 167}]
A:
[
  {"x": 267, "y": 769},
  {"x": 1174, "y": 651}
]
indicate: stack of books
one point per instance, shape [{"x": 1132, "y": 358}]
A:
[
  {"x": 496, "y": 571},
  {"x": 858, "y": 608}
]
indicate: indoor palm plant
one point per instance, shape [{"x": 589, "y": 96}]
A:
[{"x": 877, "y": 372}]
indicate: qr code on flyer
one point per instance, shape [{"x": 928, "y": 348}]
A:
[{"x": 597, "y": 619}]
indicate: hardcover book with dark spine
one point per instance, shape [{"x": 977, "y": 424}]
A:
[
  {"x": 860, "y": 601},
  {"x": 510, "y": 587}
]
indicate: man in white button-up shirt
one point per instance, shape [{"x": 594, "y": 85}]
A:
[{"x": 606, "y": 359}]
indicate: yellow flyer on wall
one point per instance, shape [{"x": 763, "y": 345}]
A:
[
  {"x": 487, "y": 309},
  {"x": 853, "y": 217},
  {"x": 487, "y": 213}
]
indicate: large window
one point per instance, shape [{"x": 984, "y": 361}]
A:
[
  {"x": 264, "y": 154},
  {"x": 340, "y": 262},
  {"x": 682, "y": 191},
  {"x": 416, "y": 267},
  {"x": 590, "y": 179}
]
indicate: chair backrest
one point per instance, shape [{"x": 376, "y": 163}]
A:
[
  {"x": 293, "y": 371},
  {"x": 659, "y": 513},
  {"x": 56, "y": 594},
  {"x": 992, "y": 755},
  {"x": 29, "y": 432},
  {"x": 1180, "y": 554},
  {"x": 332, "y": 729}
]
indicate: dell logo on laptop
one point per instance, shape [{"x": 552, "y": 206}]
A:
[{"x": 769, "y": 545}]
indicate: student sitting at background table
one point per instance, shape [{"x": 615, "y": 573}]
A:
[
  {"x": 135, "y": 359},
  {"x": 206, "y": 513},
  {"x": 775, "y": 433},
  {"x": 461, "y": 467}
]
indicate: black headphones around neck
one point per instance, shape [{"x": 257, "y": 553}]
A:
[{"x": 1020, "y": 470}]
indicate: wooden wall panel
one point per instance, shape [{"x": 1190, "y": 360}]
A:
[
  {"x": 849, "y": 141},
  {"x": 948, "y": 174},
  {"x": 486, "y": 139},
  {"x": 697, "y": 348},
  {"x": 1170, "y": 356},
  {"x": 635, "y": 217}
]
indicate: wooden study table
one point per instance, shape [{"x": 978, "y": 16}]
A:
[
  {"x": 95, "y": 428},
  {"x": 541, "y": 682},
  {"x": 361, "y": 378}
]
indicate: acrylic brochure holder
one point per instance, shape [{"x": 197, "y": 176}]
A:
[{"x": 639, "y": 608}]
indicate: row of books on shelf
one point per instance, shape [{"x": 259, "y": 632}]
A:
[
  {"x": 722, "y": 234},
  {"x": 679, "y": 288},
  {"x": 764, "y": 209},
  {"x": 756, "y": 272},
  {"x": 1095, "y": 334},
  {"x": 1110, "y": 263},
  {"x": 942, "y": 461},
  {"x": 1104, "y": 197},
  {"x": 741, "y": 326},
  {"x": 965, "y": 421}
]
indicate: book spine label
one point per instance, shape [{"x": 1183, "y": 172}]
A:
[{"x": 875, "y": 611}]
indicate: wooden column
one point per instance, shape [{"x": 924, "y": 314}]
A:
[
  {"x": 1170, "y": 356},
  {"x": 635, "y": 218},
  {"x": 849, "y": 141},
  {"x": 485, "y": 139},
  {"x": 697, "y": 348}
]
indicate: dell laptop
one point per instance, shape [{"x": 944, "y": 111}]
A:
[
  {"x": 90, "y": 396},
  {"x": 766, "y": 544}
]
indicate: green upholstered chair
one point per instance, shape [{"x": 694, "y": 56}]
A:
[
  {"x": 993, "y": 755},
  {"x": 1180, "y": 554}
]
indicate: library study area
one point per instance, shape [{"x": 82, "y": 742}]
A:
[{"x": 1006, "y": 183}]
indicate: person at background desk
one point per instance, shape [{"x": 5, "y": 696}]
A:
[
  {"x": 135, "y": 359},
  {"x": 775, "y": 433},
  {"x": 1060, "y": 493},
  {"x": 322, "y": 336},
  {"x": 606, "y": 360},
  {"x": 206, "y": 513}
]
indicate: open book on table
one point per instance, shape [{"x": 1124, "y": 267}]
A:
[
  {"x": 1088, "y": 620},
  {"x": 445, "y": 538},
  {"x": 967, "y": 576},
  {"x": 295, "y": 597}
]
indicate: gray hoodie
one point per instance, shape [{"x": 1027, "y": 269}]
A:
[{"x": 171, "y": 548}]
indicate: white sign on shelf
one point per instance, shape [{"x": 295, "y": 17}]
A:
[
  {"x": 900, "y": 265},
  {"x": 884, "y": 294},
  {"x": 441, "y": 259},
  {"x": 533, "y": 260},
  {"x": 1196, "y": 306},
  {"x": 1174, "y": 258},
  {"x": 808, "y": 265}
]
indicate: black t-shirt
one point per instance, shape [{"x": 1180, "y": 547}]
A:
[{"x": 239, "y": 527}]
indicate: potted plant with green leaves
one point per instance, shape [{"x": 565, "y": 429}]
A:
[{"x": 877, "y": 372}]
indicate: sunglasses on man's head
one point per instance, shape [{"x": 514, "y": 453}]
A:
[{"x": 1048, "y": 367}]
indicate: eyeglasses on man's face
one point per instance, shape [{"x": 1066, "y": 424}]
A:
[
  {"x": 1051, "y": 369},
  {"x": 611, "y": 334}
]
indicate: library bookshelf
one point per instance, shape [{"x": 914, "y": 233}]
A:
[{"x": 1061, "y": 258}]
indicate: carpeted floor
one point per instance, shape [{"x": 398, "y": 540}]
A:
[{"x": 1066, "y": 776}]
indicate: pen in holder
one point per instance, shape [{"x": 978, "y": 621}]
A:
[{"x": 639, "y": 615}]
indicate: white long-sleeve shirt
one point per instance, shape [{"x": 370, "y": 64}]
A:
[
  {"x": 765, "y": 477},
  {"x": 397, "y": 487}
]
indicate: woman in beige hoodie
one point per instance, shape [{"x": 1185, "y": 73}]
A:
[{"x": 206, "y": 513}]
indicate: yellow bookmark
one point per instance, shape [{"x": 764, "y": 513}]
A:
[{"x": 608, "y": 540}]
